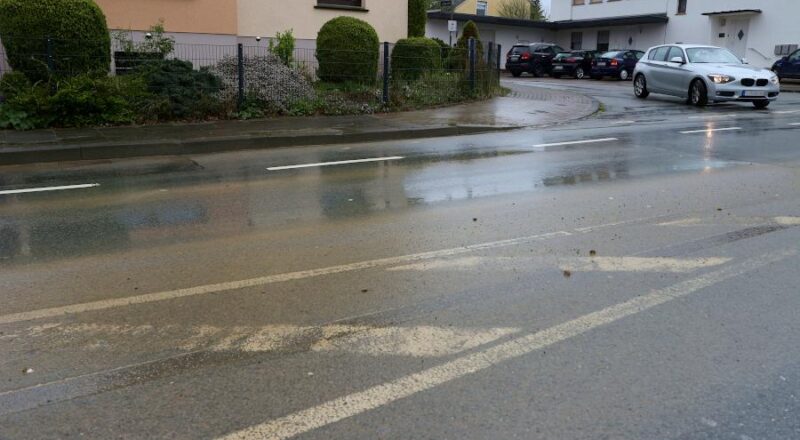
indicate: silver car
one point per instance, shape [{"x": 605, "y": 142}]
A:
[{"x": 703, "y": 74}]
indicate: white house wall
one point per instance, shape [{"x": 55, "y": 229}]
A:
[
  {"x": 777, "y": 24},
  {"x": 640, "y": 37}
]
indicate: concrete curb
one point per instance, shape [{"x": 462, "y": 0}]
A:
[{"x": 60, "y": 153}]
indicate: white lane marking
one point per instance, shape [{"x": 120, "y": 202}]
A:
[
  {"x": 575, "y": 264},
  {"x": 786, "y": 112},
  {"x": 340, "y": 162},
  {"x": 788, "y": 221},
  {"x": 711, "y": 130},
  {"x": 369, "y": 399},
  {"x": 795, "y": 124},
  {"x": 640, "y": 264},
  {"x": 692, "y": 221},
  {"x": 723, "y": 115},
  {"x": 588, "y": 141},
  {"x": 624, "y": 122},
  {"x": 48, "y": 188},
  {"x": 270, "y": 279}
]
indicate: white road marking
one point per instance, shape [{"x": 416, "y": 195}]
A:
[
  {"x": 270, "y": 279},
  {"x": 711, "y": 130},
  {"x": 788, "y": 221},
  {"x": 48, "y": 188},
  {"x": 692, "y": 221},
  {"x": 575, "y": 264},
  {"x": 786, "y": 112},
  {"x": 624, "y": 122},
  {"x": 377, "y": 396},
  {"x": 723, "y": 115},
  {"x": 640, "y": 264},
  {"x": 340, "y": 162},
  {"x": 588, "y": 141},
  {"x": 795, "y": 124}
]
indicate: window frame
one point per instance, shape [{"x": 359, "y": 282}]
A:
[
  {"x": 348, "y": 5},
  {"x": 682, "y": 4}
]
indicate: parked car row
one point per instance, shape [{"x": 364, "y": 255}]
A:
[{"x": 541, "y": 59}]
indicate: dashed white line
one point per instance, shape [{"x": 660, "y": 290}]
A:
[
  {"x": 340, "y": 162},
  {"x": 378, "y": 396},
  {"x": 786, "y": 112},
  {"x": 711, "y": 130},
  {"x": 48, "y": 188},
  {"x": 587, "y": 141},
  {"x": 795, "y": 124}
]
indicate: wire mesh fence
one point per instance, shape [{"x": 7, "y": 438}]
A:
[{"x": 306, "y": 81}]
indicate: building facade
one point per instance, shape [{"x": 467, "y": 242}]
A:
[
  {"x": 759, "y": 31},
  {"x": 228, "y": 21}
]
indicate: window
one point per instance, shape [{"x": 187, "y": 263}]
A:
[
  {"x": 682, "y": 6},
  {"x": 639, "y": 54},
  {"x": 602, "y": 40},
  {"x": 578, "y": 2},
  {"x": 482, "y": 7},
  {"x": 659, "y": 54},
  {"x": 576, "y": 41},
  {"x": 795, "y": 56},
  {"x": 714, "y": 55},
  {"x": 675, "y": 52},
  {"x": 345, "y": 3}
]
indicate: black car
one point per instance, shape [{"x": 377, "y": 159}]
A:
[
  {"x": 616, "y": 63},
  {"x": 576, "y": 63},
  {"x": 535, "y": 59}
]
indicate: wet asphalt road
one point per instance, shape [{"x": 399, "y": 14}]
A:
[{"x": 642, "y": 284}]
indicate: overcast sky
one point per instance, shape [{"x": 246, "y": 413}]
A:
[{"x": 546, "y": 4}]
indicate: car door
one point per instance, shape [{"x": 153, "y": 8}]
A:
[
  {"x": 656, "y": 61},
  {"x": 793, "y": 65},
  {"x": 629, "y": 59},
  {"x": 677, "y": 75}
]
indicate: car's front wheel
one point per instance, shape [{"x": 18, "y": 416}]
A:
[
  {"x": 761, "y": 105},
  {"x": 516, "y": 73},
  {"x": 624, "y": 75},
  {"x": 579, "y": 73},
  {"x": 698, "y": 93},
  {"x": 640, "y": 87}
]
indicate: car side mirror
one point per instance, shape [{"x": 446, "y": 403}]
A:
[
  {"x": 784, "y": 59},
  {"x": 678, "y": 60},
  {"x": 744, "y": 60}
]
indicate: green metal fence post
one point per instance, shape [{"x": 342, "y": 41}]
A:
[
  {"x": 385, "y": 73},
  {"x": 240, "y": 71}
]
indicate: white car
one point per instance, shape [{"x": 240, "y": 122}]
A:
[{"x": 703, "y": 74}]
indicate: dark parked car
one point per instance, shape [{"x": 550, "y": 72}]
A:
[
  {"x": 536, "y": 59},
  {"x": 788, "y": 67},
  {"x": 577, "y": 63},
  {"x": 616, "y": 63}
]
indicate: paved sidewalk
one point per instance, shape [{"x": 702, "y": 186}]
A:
[{"x": 522, "y": 108}]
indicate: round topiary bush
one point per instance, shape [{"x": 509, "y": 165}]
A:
[
  {"x": 459, "y": 56},
  {"x": 412, "y": 57},
  {"x": 80, "y": 42},
  {"x": 347, "y": 50}
]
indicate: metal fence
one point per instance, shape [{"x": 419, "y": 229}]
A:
[{"x": 254, "y": 72}]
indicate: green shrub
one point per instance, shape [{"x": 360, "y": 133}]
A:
[
  {"x": 158, "y": 43},
  {"x": 347, "y": 50},
  {"x": 284, "y": 48},
  {"x": 459, "y": 56},
  {"x": 444, "y": 47},
  {"x": 412, "y": 57},
  {"x": 417, "y": 17},
  {"x": 80, "y": 41},
  {"x": 76, "y": 101},
  {"x": 11, "y": 83},
  {"x": 178, "y": 91}
]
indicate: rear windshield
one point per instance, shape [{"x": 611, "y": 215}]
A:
[
  {"x": 611, "y": 55},
  {"x": 517, "y": 50},
  {"x": 563, "y": 55}
]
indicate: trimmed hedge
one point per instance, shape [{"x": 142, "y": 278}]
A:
[
  {"x": 80, "y": 39},
  {"x": 347, "y": 50},
  {"x": 412, "y": 57},
  {"x": 459, "y": 56},
  {"x": 417, "y": 17}
]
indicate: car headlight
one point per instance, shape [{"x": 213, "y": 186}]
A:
[
  {"x": 775, "y": 80},
  {"x": 719, "y": 78}
]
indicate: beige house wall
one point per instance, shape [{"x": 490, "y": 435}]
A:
[
  {"x": 267, "y": 17},
  {"x": 217, "y": 17},
  {"x": 471, "y": 7}
]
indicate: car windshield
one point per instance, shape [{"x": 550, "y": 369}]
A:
[
  {"x": 517, "y": 50},
  {"x": 711, "y": 55},
  {"x": 614, "y": 54}
]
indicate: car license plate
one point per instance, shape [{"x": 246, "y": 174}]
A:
[
  {"x": 515, "y": 58},
  {"x": 601, "y": 64},
  {"x": 754, "y": 93},
  {"x": 558, "y": 67}
]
